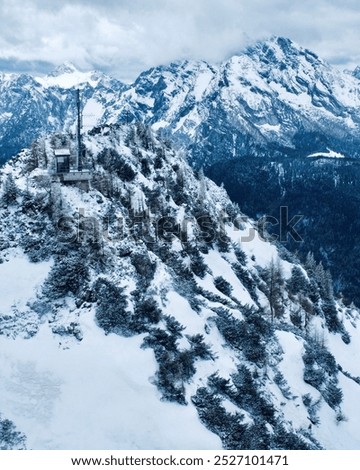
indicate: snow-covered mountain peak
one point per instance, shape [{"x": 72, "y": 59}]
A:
[
  {"x": 281, "y": 50},
  {"x": 68, "y": 76},
  {"x": 282, "y": 61},
  {"x": 356, "y": 72},
  {"x": 65, "y": 68},
  {"x": 4, "y": 76}
]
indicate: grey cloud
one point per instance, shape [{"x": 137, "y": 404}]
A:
[
  {"x": 126, "y": 36},
  {"x": 12, "y": 65}
]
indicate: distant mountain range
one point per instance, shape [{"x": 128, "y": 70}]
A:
[{"x": 275, "y": 97}]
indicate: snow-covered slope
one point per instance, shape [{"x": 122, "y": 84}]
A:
[
  {"x": 92, "y": 395},
  {"x": 147, "y": 312}
]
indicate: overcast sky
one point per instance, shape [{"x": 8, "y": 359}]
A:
[{"x": 124, "y": 37}]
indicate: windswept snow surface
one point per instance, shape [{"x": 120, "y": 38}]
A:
[
  {"x": 97, "y": 394},
  {"x": 341, "y": 435},
  {"x": 94, "y": 395},
  {"x": 328, "y": 154},
  {"x": 19, "y": 279}
]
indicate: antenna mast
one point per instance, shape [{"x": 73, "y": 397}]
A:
[{"x": 78, "y": 105}]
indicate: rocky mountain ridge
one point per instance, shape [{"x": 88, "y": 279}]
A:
[{"x": 167, "y": 321}]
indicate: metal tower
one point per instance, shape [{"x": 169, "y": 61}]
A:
[{"x": 79, "y": 156}]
